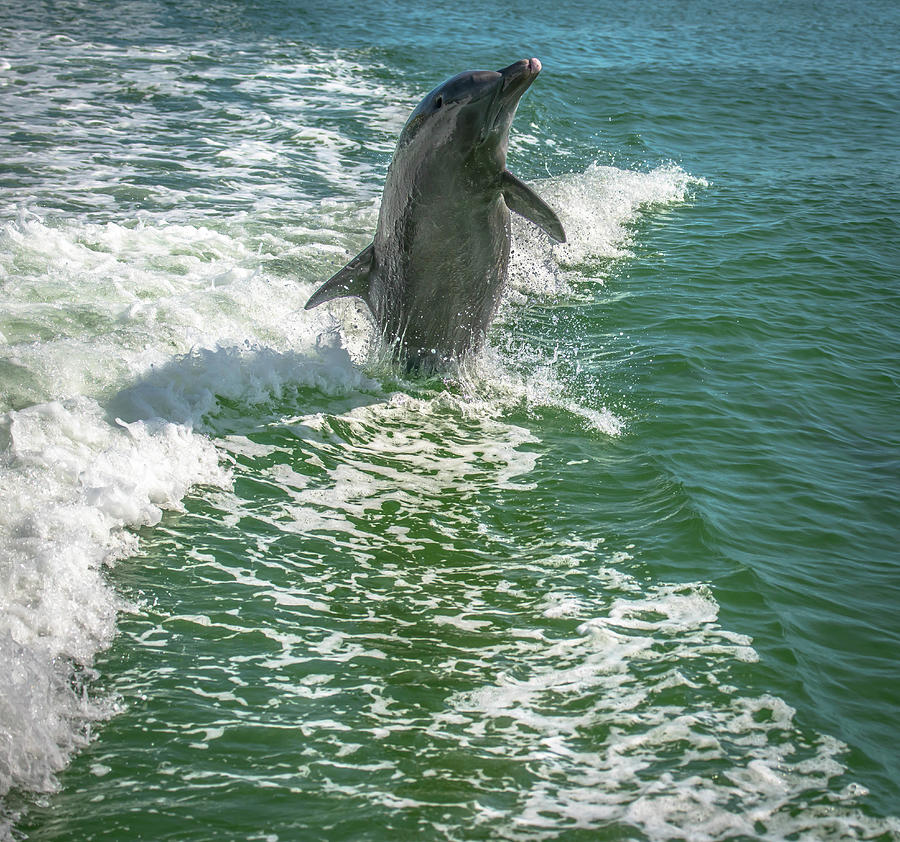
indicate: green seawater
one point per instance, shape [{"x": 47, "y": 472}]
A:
[{"x": 632, "y": 574}]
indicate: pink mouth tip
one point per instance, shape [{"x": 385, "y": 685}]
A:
[{"x": 534, "y": 64}]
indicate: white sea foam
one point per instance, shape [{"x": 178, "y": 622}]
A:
[
  {"x": 151, "y": 325},
  {"x": 743, "y": 766},
  {"x": 597, "y": 209},
  {"x": 72, "y": 485},
  {"x": 143, "y": 295},
  {"x": 288, "y": 138}
]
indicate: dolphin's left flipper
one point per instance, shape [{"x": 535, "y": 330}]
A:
[
  {"x": 353, "y": 279},
  {"x": 525, "y": 202}
]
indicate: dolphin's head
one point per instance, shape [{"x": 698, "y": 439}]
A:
[{"x": 472, "y": 111}]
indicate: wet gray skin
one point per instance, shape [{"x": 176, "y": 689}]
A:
[{"x": 434, "y": 275}]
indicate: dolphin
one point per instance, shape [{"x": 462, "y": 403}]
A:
[{"x": 435, "y": 273}]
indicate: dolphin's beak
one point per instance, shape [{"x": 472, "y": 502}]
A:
[
  {"x": 514, "y": 81},
  {"x": 517, "y": 78}
]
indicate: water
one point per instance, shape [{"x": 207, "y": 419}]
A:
[{"x": 630, "y": 575}]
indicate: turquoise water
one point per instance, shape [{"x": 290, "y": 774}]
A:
[{"x": 631, "y": 574}]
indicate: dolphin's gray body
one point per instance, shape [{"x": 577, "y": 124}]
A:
[{"x": 435, "y": 273}]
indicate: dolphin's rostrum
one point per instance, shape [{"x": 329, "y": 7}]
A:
[{"x": 435, "y": 273}]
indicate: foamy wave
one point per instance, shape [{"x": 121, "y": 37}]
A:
[
  {"x": 498, "y": 381},
  {"x": 597, "y": 208},
  {"x": 190, "y": 388},
  {"x": 300, "y": 117},
  {"x": 655, "y": 665},
  {"x": 72, "y": 487},
  {"x": 124, "y": 341},
  {"x": 143, "y": 295}
]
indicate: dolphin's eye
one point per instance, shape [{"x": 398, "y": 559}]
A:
[{"x": 439, "y": 102}]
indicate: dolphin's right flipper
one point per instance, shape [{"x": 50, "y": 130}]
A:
[
  {"x": 353, "y": 279},
  {"x": 525, "y": 202}
]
